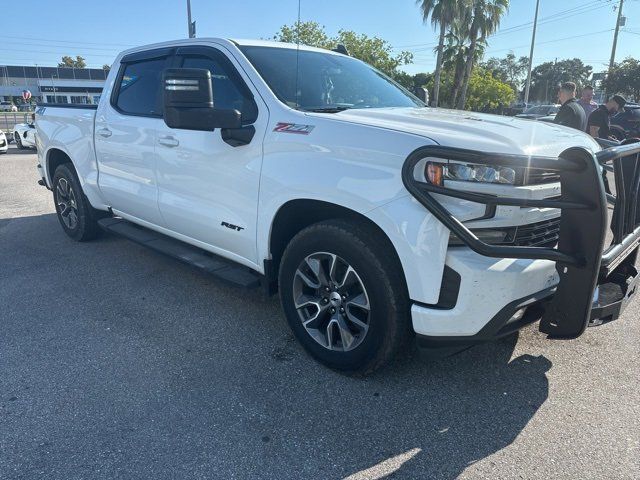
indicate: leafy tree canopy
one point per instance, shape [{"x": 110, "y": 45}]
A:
[
  {"x": 509, "y": 69},
  {"x": 69, "y": 62},
  {"x": 546, "y": 77},
  {"x": 373, "y": 50},
  {"x": 624, "y": 78}
]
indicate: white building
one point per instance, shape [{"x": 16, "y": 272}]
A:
[{"x": 52, "y": 84}]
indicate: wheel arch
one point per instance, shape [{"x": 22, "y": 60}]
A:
[
  {"x": 295, "y": 215},
  {"x": 54, "y": 158}
]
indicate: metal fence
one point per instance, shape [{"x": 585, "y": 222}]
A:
[{"x": 9, "y": 119}]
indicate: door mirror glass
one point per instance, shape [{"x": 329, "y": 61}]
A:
[{"x": 188, "y": 101}]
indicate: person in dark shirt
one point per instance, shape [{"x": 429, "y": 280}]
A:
[
  {"x": 599, "y": 125},
  {"x": 571, "y": 114}
]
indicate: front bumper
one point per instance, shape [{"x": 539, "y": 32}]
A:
[{"x": 577, "y": 284}]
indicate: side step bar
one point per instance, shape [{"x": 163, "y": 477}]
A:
[{"x": 218, "y": 267}]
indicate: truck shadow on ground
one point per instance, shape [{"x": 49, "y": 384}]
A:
[{"x": 178, "y": 363}]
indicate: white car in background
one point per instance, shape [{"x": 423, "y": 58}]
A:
[
  {"x": 4, "y": 144},
  {"x": 24, "y": 134},
  {"x": 5, "y": 106}
]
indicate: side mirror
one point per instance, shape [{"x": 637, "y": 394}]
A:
[{"x": 188, "y": 101}]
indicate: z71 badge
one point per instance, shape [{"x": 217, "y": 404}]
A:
[{"x": 293, "y": 128}]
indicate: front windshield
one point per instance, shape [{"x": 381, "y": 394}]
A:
[{"x": 325, "y": 81}]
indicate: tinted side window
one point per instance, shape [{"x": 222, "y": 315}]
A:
[
  {"x": 228, "y": 91},
  {"x": 139, "y": 92}
]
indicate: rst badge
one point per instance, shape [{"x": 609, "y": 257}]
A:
[{"x": 293, "y": 128}]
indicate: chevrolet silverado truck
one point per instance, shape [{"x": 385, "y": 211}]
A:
[{"x": 377, "y": 219}]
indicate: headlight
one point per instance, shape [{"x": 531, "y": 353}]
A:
[{"x": 437, "y": 173}]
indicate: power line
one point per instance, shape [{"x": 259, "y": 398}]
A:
[
  {"x": 67, "y": 41},
  {"x": 562, "y": 15}
]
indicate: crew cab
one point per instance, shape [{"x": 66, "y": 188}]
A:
[{"x": 377, "y": 219}]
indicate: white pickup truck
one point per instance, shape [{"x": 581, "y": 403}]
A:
[{"x": 377, "y": 219}]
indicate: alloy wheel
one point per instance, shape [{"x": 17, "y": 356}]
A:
[
  {"x": 66, "y": 202},
  {"x": 331, "y": 301}
]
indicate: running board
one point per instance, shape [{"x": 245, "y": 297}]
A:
[{"x": 214, "y": 265}]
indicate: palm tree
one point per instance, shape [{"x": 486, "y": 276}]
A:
[
  {"x": 455, "y": 52},
  {"x": 442, "y": 13},
  {"x": 486, "y": 16}
]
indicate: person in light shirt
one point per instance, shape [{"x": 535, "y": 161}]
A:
[{"x": 586, "y": 100}]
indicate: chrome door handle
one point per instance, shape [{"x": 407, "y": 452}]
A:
[
  {"x": 104, "y": 132},
  {"x": 168, "y": 141}
]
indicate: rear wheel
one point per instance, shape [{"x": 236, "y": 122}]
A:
[
  {"x": 16, "y": 137},
  {"x": 344, "y": 296},
  {"x": 76, "y": 215}
]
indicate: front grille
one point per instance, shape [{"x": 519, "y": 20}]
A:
[
  {"x": 537, "y": 177},
  {"x": 541, "y": 234}
]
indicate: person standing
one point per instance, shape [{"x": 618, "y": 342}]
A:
[
  {"x": 571, "y": 113},
  {"x": 599, "y": 125},
  {"x": 586, "y": 100}
]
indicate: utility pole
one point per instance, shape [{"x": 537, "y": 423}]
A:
[
  {"x": 533, "y": 41},
  {"x": 191, "y": 26},
  {"x": 615, "y": 36}
]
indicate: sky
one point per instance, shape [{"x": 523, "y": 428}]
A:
[{"x": 98, "y": 29}]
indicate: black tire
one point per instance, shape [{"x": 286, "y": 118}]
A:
[
  {"x": 367, "y": 252},
  {"x": 18, "y": 140},
  {"x": 85, "y": 227}
]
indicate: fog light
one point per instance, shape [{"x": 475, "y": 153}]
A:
[{"x": 486, "y": 235}]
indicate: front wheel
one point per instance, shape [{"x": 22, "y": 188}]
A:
[
  {"x": 16, "y": 137},
  {"x": 344, "y": 296}
]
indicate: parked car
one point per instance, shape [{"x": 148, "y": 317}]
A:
[
  {"x": 626, "y": 124},
  {"x": 4, "y": 144},
  {"x": 547, "y": 118},
  {"x": 6, "y": 106},
  {"x": 309, "y": 173},
  {"x": 533, "y": 113},
  {"x": 24, "y": 134},
  {"x": 515, "y": 109}
]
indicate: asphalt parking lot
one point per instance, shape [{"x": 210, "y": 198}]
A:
[{"x": 117, "y": 362}]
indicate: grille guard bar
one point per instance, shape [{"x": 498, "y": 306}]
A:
[{"x": 580, "y": 260}]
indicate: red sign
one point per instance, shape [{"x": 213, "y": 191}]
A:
[{"x": 26, "y": 95}]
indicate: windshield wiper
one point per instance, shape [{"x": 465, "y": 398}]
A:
[{"x": 327, "y": 109}]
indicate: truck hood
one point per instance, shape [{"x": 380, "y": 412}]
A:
[{"x": 475, "y": 131}]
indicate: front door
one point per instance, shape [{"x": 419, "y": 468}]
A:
[
  {"x": 208, "y": 181},
  {"x": 125, "y": 136}
]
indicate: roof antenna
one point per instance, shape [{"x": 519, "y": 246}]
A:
[{"x": 297, "y": 53}]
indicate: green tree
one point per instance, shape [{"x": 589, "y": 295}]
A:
[
  {"x": 487, "y": 92},
  {"x": 373, "y": 50},
  {"x": 106, "y": 67},
  {"x": 455, "y": 54},
  {"x": 485, "y": 19},
  {"x": 69, "y": 62},
  {"x": 624, "y": 78},
  {"x": 509, "y": 69},
  {"x": 546, "y": 77},
  {"x": 441, "y": 14},
  {"x": 307, "y": 33}
]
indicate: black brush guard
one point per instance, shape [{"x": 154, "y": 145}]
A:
[{"x": 583, "y": 264}]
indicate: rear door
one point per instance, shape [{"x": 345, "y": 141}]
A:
[
  {"x": 125, "y": 136},
  {"x": 208, "y": 182}
]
